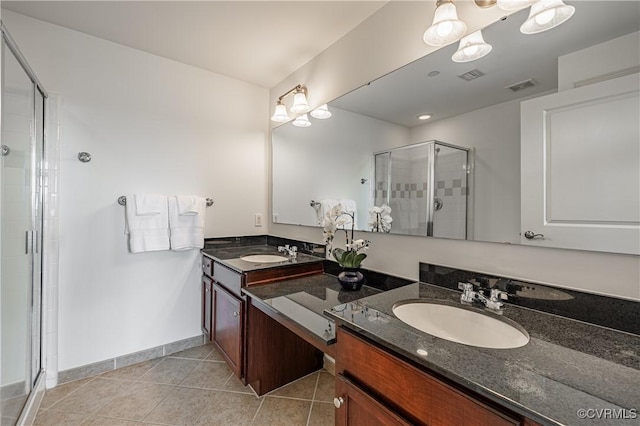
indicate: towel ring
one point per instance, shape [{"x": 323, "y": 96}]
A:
[{"x": 122, "y": 200}]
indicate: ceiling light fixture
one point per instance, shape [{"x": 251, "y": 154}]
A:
[
  {"x": 321, "y": 113},
  {"x": 300, "y": 104},
  {"x": 471, "y": 47},
  {"x": 424, "y": 116},
  {"x": 302, "y": 121},
  {"x": 447, "y": 28}
]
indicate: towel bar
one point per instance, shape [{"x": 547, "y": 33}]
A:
[{"x": 122, "y": 200}]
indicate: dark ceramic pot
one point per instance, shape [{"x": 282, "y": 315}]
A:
[{"x": 351, "y": 279}]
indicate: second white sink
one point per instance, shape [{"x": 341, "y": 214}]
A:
[
  {"x": 462, "y": 325},
  {"x": 264, "y": 258}
]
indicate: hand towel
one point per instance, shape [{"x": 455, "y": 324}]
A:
[
  {"x": 187, "y": 230},
  {"x": 350, "y": 206},
  {"x": 150, "y": 203},
  {"x": 147, "y": 232},
  {"x": 187, "y": 204}
]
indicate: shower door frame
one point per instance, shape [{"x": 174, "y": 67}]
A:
[
  {"x": 430, "y": 191},
  {"x": 34, "y": 238}
]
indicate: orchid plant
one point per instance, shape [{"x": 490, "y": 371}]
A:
[
  {"x": 380, "y": 218},
  {"x": 339, "y": 220}
]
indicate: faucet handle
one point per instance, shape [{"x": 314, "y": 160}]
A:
[
  {"x": 467, "y": 292},
  {"x": 497, "y": 294},
  {"x": 294, "y": 249},
  {"x": 465, "y": 286}
]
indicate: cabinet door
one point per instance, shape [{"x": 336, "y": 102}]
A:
[
  {"x": 228, "y": 314},
  {"x": 354, "y": 406},
  {"x": 579, "y": 168},
  {"x": 207, "y": 297}
]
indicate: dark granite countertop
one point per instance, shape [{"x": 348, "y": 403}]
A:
[
  {"x": 230, "y": 256},
  {"x": 304, "y": 301},
  {"x": 567, "y": 366}
]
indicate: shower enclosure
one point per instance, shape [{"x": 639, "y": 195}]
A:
[
  {"x": 22, "y": 139},
  {"x": 427, "y": 187}
]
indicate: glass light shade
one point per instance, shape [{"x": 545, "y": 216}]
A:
[
  {"x": 280, "y": 115},
  {"x": 514, "y": 4},
  {"x": 471, "y": 47},
  {"x": 546, "y": 14},
  {"x": 300, "y": 103},
  {"x": 321, "y": 112},
  {"x": 302, "y": 121},
  {"x": 446, "y": 27}
]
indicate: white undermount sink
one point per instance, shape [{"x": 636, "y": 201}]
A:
[
  {"x": 264, "y": 258},
  {"x": 462, "y": 325}
]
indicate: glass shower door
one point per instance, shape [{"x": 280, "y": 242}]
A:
[
  {"x": 450, "y": 196},
  {"x": 21, "y": 230}
]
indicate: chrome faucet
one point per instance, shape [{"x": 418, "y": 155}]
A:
[
  {"x": 290, "y": 251},
  {"x": 493, "y": 302}
]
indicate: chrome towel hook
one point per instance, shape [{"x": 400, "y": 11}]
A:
[{"x": 85, "y": 157}]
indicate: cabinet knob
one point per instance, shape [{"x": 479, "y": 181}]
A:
[
  {"x": 235, "y": 314},
  {"x": 338, "y": 401}
]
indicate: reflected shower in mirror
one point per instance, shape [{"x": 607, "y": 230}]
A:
[{"x": 476, "y": 106}]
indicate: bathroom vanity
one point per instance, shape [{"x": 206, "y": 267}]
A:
[{"x": 224, "y": 307}]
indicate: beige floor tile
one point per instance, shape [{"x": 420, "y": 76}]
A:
[
  {"x": 208, "y": 375},
  {"x": 136, "y": 401},
  {"x": 214, "y": 356},
  {"x": 322, "y": 414},
  {"x": 132, "y": 372},
  {"x": 235, "y": 385},
  {"x": 181, "y": 407},
  {"x": 198, "y": 352},
  {"x": 58, "y": 418},
  {"x": 302, "y": 388},
  {"x": 107, "y": 421},
  {"x": 326, "y": 387},
  {"x": 282, "y": 411},
  {"x": 93, "y": 396},
  {"x": 169, "y": 371},
  {"x": 51, "y": 396},
  {"x": 227, "y": 408}
]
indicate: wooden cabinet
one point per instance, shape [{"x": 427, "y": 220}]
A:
[
  {"x": 207, "y": 299},
  {"x": 376, "y": 385},
  {"x": 224, "y": 306},
  {"x": 228, "y": 323}
]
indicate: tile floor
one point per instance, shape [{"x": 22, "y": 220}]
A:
[{"x": 192, "y": 387}]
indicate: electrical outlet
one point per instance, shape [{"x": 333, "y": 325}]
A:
[{"x": 258, "y": 220}]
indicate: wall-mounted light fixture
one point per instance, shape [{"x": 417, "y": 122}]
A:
[
  {"x": 447, "y": 28},
  {"x": 300, "y": 106}
]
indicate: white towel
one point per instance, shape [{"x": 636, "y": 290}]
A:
[
  {"x": 147, "y": 232},
  {"x": 150, "y": 203},
  {"x": 187, "y": 230},
  {"x": 325, "y": 207},
  {"x": 187, "y": 204},
  {"x": 350, "y": 206}
]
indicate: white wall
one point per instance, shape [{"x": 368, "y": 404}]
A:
[
  {"x": 151, "y": 125},
  {"x": 387, "y": 40}
]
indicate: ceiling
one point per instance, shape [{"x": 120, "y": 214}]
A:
[
  {"x": 401, "y": 96},
  {"x": 261, "y": 42}
]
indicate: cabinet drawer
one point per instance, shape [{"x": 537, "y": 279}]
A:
[
  {"x": 207, "y": 266},
  {"x": 414, "y": 394},
  {"x": 227, "y": 278}
]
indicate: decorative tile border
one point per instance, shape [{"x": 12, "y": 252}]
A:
[{"x": 617, "y": 314}]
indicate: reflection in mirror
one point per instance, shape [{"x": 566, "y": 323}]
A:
[{"x": 477, "y": 106}]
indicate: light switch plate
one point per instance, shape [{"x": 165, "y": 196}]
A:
[{"x": 258, "y": 220}]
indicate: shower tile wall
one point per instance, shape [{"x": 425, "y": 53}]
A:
[
  {"x": 451, "y": 188},
  {"x": 408, "y": 196}
]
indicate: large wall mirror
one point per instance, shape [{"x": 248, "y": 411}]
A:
[{"x": 541, "y": 135}]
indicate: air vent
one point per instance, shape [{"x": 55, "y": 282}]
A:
[
  {"x": 471, "y": 75},
  {"x": 522, "y": 85}
]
